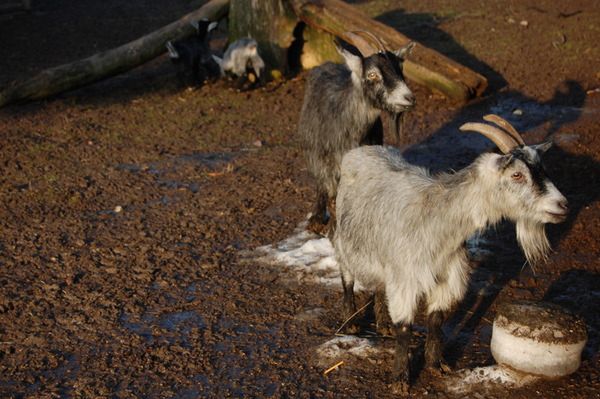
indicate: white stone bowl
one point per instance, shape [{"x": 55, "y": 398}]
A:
[{"x": 538, "y": 338}]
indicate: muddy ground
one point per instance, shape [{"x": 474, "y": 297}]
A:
[{"x": 129, "y": 207}]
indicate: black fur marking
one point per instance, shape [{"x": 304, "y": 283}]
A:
[{"x": 536, "y": 169}]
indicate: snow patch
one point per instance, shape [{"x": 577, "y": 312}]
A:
[
  {"x": 340, "y": 347},
  {"x": 310, "y": 256},
  {"x": 466, "y": 381}
]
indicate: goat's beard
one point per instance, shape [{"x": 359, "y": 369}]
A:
[{"x": 532, "y": 239}]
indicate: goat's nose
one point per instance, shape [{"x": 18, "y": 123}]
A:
[
  {"x": 409, "y": 97},
  {"x": 564, "y": 205}
]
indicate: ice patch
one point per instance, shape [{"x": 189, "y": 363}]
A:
[
  {"x": 340, "y": 347},
  {"x": 488, "y": 377}
]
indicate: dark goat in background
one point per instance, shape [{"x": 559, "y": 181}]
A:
[
  {"x": 342, "y": 108},
  {"x": 193, "y": 54}
]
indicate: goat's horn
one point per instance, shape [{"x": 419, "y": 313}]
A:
[
  {"x": 503, "y": 140},
  {"x": 365, "y": 42},
  {"x": 503, "y": 123}
]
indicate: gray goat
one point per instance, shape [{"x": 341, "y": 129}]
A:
[
  {"x": 193, "y": 54},
  {"x": 401, "y": 231},
  {"x": 341, "y": 111}
]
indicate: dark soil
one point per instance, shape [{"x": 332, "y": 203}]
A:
[{"x": 126, "y": 204}]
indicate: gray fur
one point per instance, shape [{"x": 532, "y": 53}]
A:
[
  {"x": 242, "y": 55},
  {"x": 341, "y": 111}
]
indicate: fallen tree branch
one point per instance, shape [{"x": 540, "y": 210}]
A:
[
  {"x": 425, "y": 66},
  {"x": 109, "y": 63}
]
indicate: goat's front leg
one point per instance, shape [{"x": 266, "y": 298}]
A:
[
  {"x": 349, "y": 304},
  {"x": 382, "y": 315},
  {"x": 401, "y": 382},
  {"x": 434, "y": 342}
]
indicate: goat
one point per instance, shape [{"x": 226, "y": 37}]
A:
[
  {"x": 193, "y": 54},
  {"x": 401, "y": 231},
  {"x": 241, "y": 60},
  {"x": 341, "y": 111}
]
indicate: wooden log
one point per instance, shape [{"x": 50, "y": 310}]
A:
[
  {"x": 109, "y": 63},
  {"x": 425, "y": 66}
]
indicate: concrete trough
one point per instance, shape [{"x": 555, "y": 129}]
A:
[{"x": 538, "y": 338}]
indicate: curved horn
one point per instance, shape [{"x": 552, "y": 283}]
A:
[
  {"x": 379, "y": 44},
  {"x": 503, "y": 140},
  {"x": 503, "y": 123},
  {"x": 365, "y": 42}
]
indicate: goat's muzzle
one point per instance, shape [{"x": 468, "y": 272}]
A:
[{"x": 561, "y": 213}]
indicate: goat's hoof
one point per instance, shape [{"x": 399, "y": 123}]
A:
[
  {"x": 316, "y": 226},
  {"x": 400, "y": 388},
  {"x": 352, "y": 329},
  {"x": 438, "y": 369},
  {"x": 385, "y": 330}
]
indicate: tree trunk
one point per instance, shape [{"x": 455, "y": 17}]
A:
[
  {"x": 425, "y": 66},
  {"x": 270, "y": 22},
  {"x": 109, "y": 63},
  {"x": 318, "y": 48}
]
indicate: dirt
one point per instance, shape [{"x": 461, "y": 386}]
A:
[{"x": 126, "y": 206}]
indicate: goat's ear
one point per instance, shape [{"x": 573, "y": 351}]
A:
[
  {"x": 405, "y": 51},
  {"x": 353, "y": 61},
  {"x": 542, "y": 148},
  {"x": 503, "y": 160}
]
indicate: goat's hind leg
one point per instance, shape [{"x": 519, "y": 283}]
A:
[
  {"x": 449, "y": 291},
  {"x": 318, "y": 220}
]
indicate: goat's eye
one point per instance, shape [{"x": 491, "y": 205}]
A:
[
  {"x": 372, "y": 76},
  {"x": 517, "y": 176}
]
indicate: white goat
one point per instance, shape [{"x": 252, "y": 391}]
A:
[
  {"x": 401, "y": 231},
  {"x": 242, "y": 60}
]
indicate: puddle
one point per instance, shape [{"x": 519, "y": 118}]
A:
[
  {"x": 211, "y": 161},
  {"x": 178, "y": 325},
  {"x": 171, "y": 172}
]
